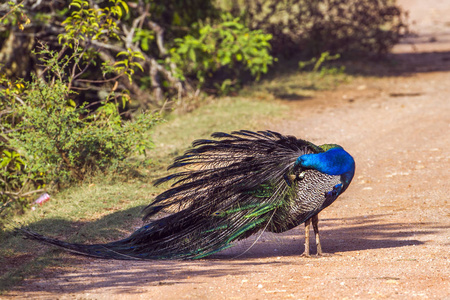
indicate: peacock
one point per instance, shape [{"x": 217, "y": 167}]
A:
[{"x": 228, "y": 188}]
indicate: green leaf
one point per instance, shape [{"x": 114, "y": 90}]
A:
[
  {"x": 75, "y": 4},
  {"x": 138, "y": 54},
  {"x": 192, "y": 55},
  {"x": 138, "y": 65},
  {"x": 123, "y": 53}
]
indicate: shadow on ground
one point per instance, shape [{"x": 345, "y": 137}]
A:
[{"x": 338, "y": 235}]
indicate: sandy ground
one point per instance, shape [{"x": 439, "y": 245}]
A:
[{"x": 388, "y": 235}]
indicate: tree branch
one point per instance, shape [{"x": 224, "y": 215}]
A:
[{"x": 129, "y": 34}]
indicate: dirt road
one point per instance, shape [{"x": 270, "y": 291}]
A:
[{"x": 388, "y": 235}]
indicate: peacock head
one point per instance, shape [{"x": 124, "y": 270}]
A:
[{"x": 333, "y": 161}]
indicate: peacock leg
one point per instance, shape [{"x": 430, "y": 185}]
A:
[
  {"x": 315, "y": 223},
  {"x": 307, "y": 226}
]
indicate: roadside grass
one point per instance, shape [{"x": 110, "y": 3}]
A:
[
  {"x": 108, "y": 207},
  {"x": 289, "y": 84}
]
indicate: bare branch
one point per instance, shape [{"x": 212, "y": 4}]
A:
[
  {"x": 107, "y": 46},
  {"x": 19, "y": 194},
  {"x": 159, "y": 36},
  {"x": 5, "y": 112},
  {"x": 34, "y": 6},
  {"x": 100, "y": 81},
  {"x": 129, "y": 34}
]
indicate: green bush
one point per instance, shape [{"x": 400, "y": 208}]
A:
[
  {"x": 311, "y": 27},
  {"x": 228, "y": 46},
  {"x": 13, "y": 181},
  {"x": 45, "y": 136},
  {"x": 65, "y": 142},
  {"x": 54, "y": 142}
]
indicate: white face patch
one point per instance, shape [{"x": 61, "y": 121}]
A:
[{"x": 301, "y": 175}]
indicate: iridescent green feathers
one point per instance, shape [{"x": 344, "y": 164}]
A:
[{"x": 227, "y": 189}]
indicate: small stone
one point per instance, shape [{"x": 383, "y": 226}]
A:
[{"x": 392, "y": 281}]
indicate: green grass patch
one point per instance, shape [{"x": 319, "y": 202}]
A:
[{"x": 296, "y": 86}]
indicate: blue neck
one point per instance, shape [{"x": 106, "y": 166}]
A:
[{"x": 335, "y": 161}]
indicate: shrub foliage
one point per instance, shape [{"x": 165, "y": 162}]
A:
[
  {"x": 311, "y": 27},
  {"x": 228, "y": 46},
  {"x": 48, "y": 138},
  {"x": 172, "y": 39}
]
